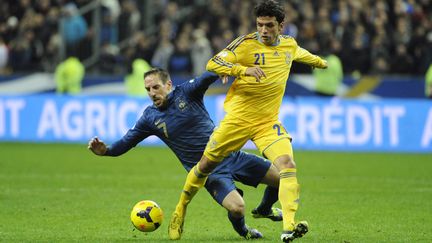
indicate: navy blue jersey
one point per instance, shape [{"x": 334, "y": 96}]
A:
[{"x": 185, "y": 125}]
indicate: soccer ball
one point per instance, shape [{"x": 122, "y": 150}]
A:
[{"x": 146, "y": 216}]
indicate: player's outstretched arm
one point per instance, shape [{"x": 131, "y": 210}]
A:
[
  {"x": 97, "y": 146},
  {"x": 304, "y": 56}
]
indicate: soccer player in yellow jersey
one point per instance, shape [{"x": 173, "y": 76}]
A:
[{"x": 261, "y": 63}]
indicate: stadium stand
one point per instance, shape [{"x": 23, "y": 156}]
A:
[{"x": 382, "y": 37}]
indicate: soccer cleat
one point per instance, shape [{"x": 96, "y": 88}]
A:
[
  {"x": 275, "y": 214},
  {"x": 253, "y": 234},
  {"x": 300, "y": 229},
  {"x": 175, "y": 228}
]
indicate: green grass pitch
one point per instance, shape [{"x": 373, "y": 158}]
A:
[{"x": 63, "y": 193}]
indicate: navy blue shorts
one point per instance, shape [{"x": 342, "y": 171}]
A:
[{"x": 243, "y": 167}]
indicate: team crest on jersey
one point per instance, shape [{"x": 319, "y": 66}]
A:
[
  {"x": 287, "y": 57},
  {"x": 276, "y": 54},
  {"x": 181, "y": 104}
]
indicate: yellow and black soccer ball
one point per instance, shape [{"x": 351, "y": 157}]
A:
[{"x": 146, "y": 216}]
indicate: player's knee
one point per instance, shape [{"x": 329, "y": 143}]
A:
[
  {"x": 284, "y": 162},
  {"x": 237, "y": 209},
  {"x": 206, "y": 165},
  {"x": 234, "y": 204}
]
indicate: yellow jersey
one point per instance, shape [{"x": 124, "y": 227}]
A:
[{"x": 253, "y": 101}]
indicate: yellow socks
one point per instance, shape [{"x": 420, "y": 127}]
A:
[
  {"x": 288, "y": 197},
  {"x": 195, "y": 180}
]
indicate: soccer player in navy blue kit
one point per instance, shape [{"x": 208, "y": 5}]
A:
[{"x": 179, "y": 118}]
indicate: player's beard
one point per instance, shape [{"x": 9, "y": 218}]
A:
[{"x": 159, "y": 102}]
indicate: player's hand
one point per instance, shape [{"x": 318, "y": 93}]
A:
[
  {"x": 257, "y": 72},
  {"x": 325, "y": 65},
  {"x": 321, "y": 65},
  {"x": 97, "y": 146},
  {"x": 224, "y": 79}
]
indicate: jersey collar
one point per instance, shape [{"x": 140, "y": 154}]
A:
[{"x": 170, "y": 97}]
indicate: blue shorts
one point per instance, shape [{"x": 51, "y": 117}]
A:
[{"x": 243, "y": 167}]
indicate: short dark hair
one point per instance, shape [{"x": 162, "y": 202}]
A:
[
  {"x": 270, "y": 8},
  {"x": 162, "y": 73}
]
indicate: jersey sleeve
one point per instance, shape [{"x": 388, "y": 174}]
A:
[
  {"x": 134, "y": 135},
  {"x": 199, "y": 85},
  {"x": 304, "y": 56},
  {"x": 225, "y": 62}
]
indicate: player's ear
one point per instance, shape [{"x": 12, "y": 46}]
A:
[
  {"x": 169, "y": 84},
  {"x": 281, "y": 25}
]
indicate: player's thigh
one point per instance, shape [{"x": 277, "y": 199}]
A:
[
  {"x": 273, "y": 140},
  {"x": 219, "y": 185},
  {"x": 271, "y": 178},
  {"x": 230, "y": 136},
  {"x": 247, "y": 168}
]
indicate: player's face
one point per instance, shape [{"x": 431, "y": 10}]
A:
[
  {"x": 157, "y": 91},
  {"x": 268, "y": 29}
]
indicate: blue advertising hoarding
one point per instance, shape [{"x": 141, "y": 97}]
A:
[{"x": 393, "y": 125}]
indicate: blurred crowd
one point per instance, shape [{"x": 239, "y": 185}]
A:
[{"x": 369, "y": 36}]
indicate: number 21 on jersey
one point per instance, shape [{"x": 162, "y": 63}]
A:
[{"x": 259, "y": 59}]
